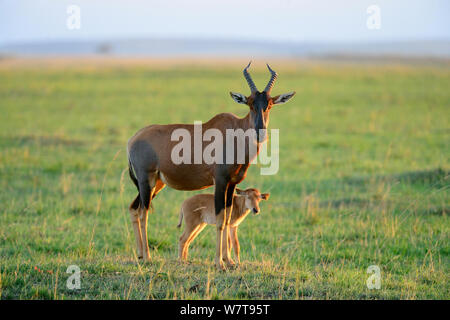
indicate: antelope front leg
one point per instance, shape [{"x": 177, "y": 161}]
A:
[
  {"x": 220, "y": 225},
  {"x": 230, "y": 243},
  {"x": 235, "y": 242},
  {"x": 226, "y": 245},
  {"x": 229, "y": 211},
  {"x": 221, "y": 221}
]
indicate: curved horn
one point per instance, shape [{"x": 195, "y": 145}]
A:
[
  {"x": 271, "y": 81},
  {"x": 250, "y": 82}
]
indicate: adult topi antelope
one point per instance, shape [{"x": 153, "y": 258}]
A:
[{"x": 151, "y": 167}]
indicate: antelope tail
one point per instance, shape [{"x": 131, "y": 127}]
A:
[{"x": 181, "y": 218}]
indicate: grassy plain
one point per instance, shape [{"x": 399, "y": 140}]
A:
[{"x": 363, "y": 180}]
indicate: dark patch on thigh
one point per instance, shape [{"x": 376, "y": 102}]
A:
[
  {"x": 135, "y": 204},
  {"x": 143, "y": 158},
  {"x": 230, "y": 194},
  {"x": 144, "y": 194}
]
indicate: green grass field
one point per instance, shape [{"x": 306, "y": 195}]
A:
[{"x": 363, "y": 180}]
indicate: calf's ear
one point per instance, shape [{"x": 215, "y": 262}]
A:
[
  {"x": 240, "y": 192},
  {"x": 265, "y": 196}
]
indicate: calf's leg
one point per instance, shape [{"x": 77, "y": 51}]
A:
[
  {"x": 183, "y": 243},
  {"x": 191, "y": 238}
]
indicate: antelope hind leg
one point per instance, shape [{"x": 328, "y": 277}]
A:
[
  {"x": 146, "y": 190},
  {"x": 134, "y": 216}
]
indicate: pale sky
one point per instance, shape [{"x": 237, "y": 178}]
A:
[{"x": 283, "y": 20}]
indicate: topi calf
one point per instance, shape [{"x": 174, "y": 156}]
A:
[{"x": 198, "y": 211}]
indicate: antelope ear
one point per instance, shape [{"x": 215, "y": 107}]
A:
[
  {"x": 282, "y": 98},
  {"x": 238, "y": 97},
  {"x": 240, "y": 192},
  {"x": 265, "y": 196}
]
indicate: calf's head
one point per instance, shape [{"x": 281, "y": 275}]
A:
[
  {"x": 252, "y": 198},
  {"x": 260, "y": 103}
]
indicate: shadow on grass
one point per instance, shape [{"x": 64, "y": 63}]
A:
[
  {"x": 362, "y": 193},
  {"x": 435, "y": 178},
  {"x": 435, "y": 211}
]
